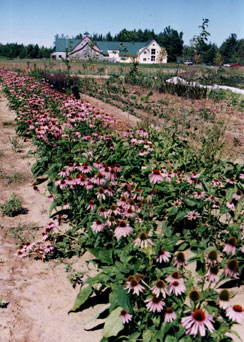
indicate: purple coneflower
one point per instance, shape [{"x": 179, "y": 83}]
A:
[
  {"x": 170, "y": 315},
  {"x": 177, "y": 288},
  {"x": 133, "y": 284},
  {"x": 163, "y": 256},
  {"x": 212, "y": 257},
  {"x": 223, "y": 299},
  {"x": 173, "y": 277},
  {"x": 230, "y": 205},
  {"x": 91, "y": 205},
  {"x": 235, "y": 313},
  {"x": 199, "y": 194},
  {"x": 103, "y": 212},
  {"x": 155, "y": 304},
  {"x": 97, "y": 226},
  {"x": 238, "y": 195},
  {"x": 143, "y": 241},
  {"x": 192, "y": 215},
  {"x": 212, "y": 274},
  {"x": 159, "y": 288},
  {"x": 231, "y": 269},
  {"x": 230, "y": 246},
  {"x": 180, "y": 260},
  {"x": 217, "y": 183},
  {"x": 197, "y": 322},
  {"x": 156, "y": 177},
  {"x": 101, "y": 194},
  {"x": 125, "y": 317},
  {"x": 122, "y": 230}
]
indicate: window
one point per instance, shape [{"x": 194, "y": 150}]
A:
[
  {"x": 152, "y": 58},
  {"x": 153, "y": 51},
  {"x": 145, "y": 51},
  {"x": 144, "y": 59}
]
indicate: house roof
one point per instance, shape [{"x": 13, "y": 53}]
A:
[
  {"x": 125, "y": 48},
  {"x": 63, "y": 44}
]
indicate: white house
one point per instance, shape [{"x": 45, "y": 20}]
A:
[{"x": 149, "y": 52}]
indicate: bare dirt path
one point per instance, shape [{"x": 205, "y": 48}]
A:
[{"x": 38, "y": 293}]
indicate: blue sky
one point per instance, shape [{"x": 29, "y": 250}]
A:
[{"x": 37, "y": 21}]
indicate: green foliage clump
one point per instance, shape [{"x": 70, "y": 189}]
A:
[{"x": 12, "y": 207}]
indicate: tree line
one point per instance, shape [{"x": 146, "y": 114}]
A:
[
  {"x": 14, "y": 50},
  {"x": 199, "y": 51}
]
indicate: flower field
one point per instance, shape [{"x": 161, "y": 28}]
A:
[{"x": 164, "y": 224}]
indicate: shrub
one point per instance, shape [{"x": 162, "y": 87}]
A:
[{"x": 12, "y": 207}]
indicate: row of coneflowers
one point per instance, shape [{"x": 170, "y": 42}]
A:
[{"x": 122, "y": 208}]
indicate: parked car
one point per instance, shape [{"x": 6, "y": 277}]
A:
[
  {"x": 188, "y": 63},
  {"x": 236, "y": 65}
]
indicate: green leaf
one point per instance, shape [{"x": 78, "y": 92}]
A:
[
  {"x": 113, "y": 324},
  {"x": 118, "y": 297},
  {"x": 102, "y": 254},
  {"x": 146, "y": 336},
  {"x": 97, "y": 314},
  {"x": 180, "y": 216},
  {"x": 170, "y": 339},
  {"x": 166, "y": 229},
  {"x": 189, "y": 201},
  {"x": 52, "y": 206},
  {"x": 81, "y": 298},
  {"x": 183, "y": 246},
  {"x": 133, "y": 337}
]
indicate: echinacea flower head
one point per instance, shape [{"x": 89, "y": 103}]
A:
[
  {"x": 235, "y": 313},
  {"x": 197, "y": 322},
  {"x": 194, "y": 295},
  {"x": 180, "y": 260},
  {"x": 143, "y": 241},
  {"x": 155, "y": 304},
  {"x": 223, "y": 299},
  {"x": 155, "y": 176},
  {"x": 212, "y": 274},
  {"x": 133, "y": 284},
  {"x": 97, "y": 226},
  {"x": 231, "y": 269},
  {"x": 177, "y": 288},
  {"x": 170, "y": 315},
  {"x": 230, "y": 246},
  {"x": 173, "y": 277},
  {"x": 212, "y": 257},
  {"x": 159, "y": 288},
  {"x": 192, "y": 215},
  {"x": 238, "y": 195},
  {"x": 125, "y": 317},
  {"x": 163, "y": 256},
  {"x": 122, "y": 230},
  {"x": 230, "y": 205}
]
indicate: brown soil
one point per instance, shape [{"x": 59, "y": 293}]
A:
[{"x": 38, "y": 294}]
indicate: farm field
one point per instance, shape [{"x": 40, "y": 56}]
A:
[
  {"x": 193, "y": 119},
  {"x": 138, "y": 206}
]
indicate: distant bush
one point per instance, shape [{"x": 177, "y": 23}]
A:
[
  {"x": 63, "y": 83},
  {"x": 192, "y": 92}
]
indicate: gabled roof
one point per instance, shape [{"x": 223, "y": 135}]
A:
[
  {"x": 63, "y": 44},
  {"x": 124, "y": 48}
]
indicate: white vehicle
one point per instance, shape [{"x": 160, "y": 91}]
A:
[{"x": 188, "y": 63}]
